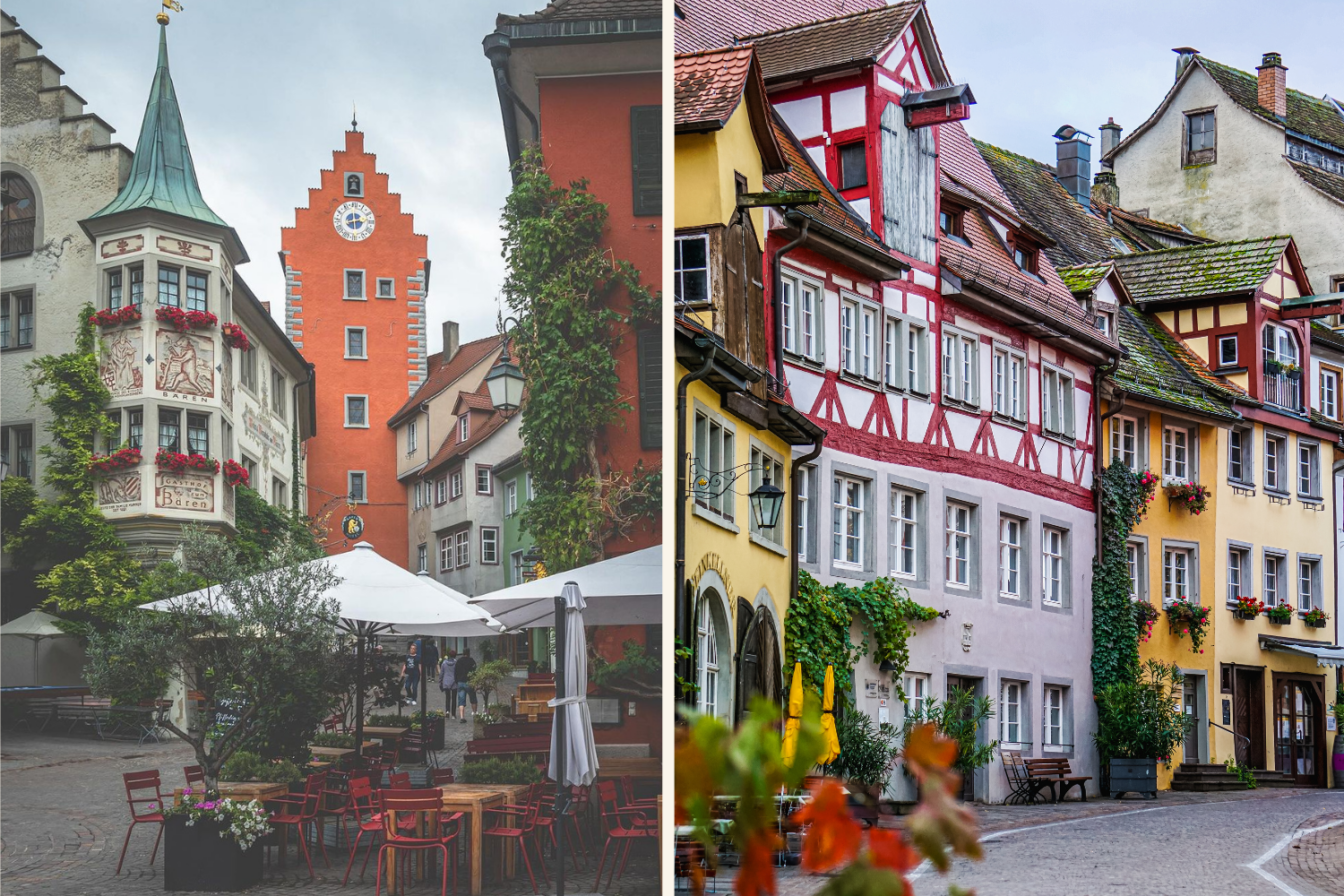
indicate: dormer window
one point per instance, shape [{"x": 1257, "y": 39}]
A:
[
  {"x": 949, "y": 221},
  {"x": 1025, "y": 258},
  {"x": 853, "y": 166},
  {"x": 463, "y": 428}
]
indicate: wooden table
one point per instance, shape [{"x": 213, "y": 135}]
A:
[
  {"x": 335, "y": 754},
  {"x": 383, "y": 732},
  {"x": 642, "y": 767},
  {"x": 244, "y": 791},
  {"x": 473, "y": 800}
]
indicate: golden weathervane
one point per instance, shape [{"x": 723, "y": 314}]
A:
[{"x": 162, "y": 17}]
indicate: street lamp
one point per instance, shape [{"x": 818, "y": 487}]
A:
[
  {"x": 505, "y": 381},
  {"x": 766, "y": 502}
]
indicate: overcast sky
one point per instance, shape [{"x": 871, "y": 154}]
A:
[{"x": 266, "y": 92}]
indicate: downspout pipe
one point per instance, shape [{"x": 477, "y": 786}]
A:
[
  {"x": 498, "y": 47},
  {"x": 776, "y": 304},
  {"x": 683, "y": 622}
]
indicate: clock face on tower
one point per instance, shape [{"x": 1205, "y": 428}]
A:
[{"x": 353, "y": 221}]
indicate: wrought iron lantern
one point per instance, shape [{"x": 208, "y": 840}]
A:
[
  {"x": 505, "y": 381},
  {"x": 766, "y": 503}
]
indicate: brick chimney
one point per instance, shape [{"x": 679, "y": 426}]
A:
[
  {"x": 1105, "y": 189},
  {"x": 449, "y": 340},
  {"x": 1272, "y": 92}
]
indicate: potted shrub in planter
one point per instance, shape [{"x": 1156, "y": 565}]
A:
[
  {"x": 211, "y": 844},
  {"x": 867, "y": 754},
  {"x": 1280, "y": 614},
  {"x": 491, "y": 715},
  {"x": 1315, "y": 617},
  {"x": 1248, "y": 608},
  {"x": 1138, "y": 723}
]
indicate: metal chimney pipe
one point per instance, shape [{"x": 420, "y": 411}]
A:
[
  {"x": 1073, "y": 162},
  {"x": 1184, "y": 55}
]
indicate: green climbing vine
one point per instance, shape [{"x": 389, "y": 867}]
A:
[
  {"x": 817, "y": 629},
  {"x": 1124, "y": 496},
  {"x": 562, "y": 283}
]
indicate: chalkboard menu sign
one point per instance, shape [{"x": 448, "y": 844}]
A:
[{"x": 229, "y": 708}]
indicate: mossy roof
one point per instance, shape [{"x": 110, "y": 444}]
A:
[
  {"x": 1331, "y": 185},
  {"x": 1307, "y": 114},
  {"x": 1158, "y": 367},
  {"x": 1083, "y": 277},
  {"x": 1206, "y": 270}
]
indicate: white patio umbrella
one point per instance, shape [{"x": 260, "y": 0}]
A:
[
  {"x": 572, "y": 725},
  {"x": 625, "y": 590},
  {"x": 35, "y": 627},
  {"x": 376, "y": 596}
]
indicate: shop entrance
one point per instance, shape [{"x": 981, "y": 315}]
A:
[{"x": 1299, "y": 735}]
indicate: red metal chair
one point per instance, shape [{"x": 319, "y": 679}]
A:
[
  {"x": 545, "y": 795},
  {"x": 623, "y": 826},
  {"x": 336, "y": 799},
  {"x": 301, "y": 810},
  {"x": 399, "y": 781},
  {"x": 411, "y": 824},
  {"x": 413, "y": 742},
  {"x": 195, "y": 776},
  {"x": 367, "y": 809},
  {"x": 520, "y": 824},
  {"x": 440, "y": 776},
  {"x": 142, "y": 782}
]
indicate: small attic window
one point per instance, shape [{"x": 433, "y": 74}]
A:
[
  {"x": 1025, "y": 258},
  {"x": 853, "y": 166},
  {"x": 949, "y": 221},
  {"x": 354, "y": 184},
  {"x": 1119, "y": 245}
]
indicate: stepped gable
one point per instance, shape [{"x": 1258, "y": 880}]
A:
[
  {"x": 843, "y": 41},
  {"x": 1193, "y": 272},
  {"x": 705, "y": 24}
]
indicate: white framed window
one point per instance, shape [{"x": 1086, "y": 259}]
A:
[
  {"x": 1238, "y": 564},
  {"x": 916, "y": 688},
  {"x": 387, "y": 288},
  {"x": 441, "y": 491},
  {"x": 715, "y": 450},
  {"x": 356, "y": 412},
  {"x": 1052, "y": 564},
  {"x": 1227, "y": 351},
  {"x": 1308, "y": 470},
  {"x": 961, "y": 381},
  {"x": 279, "y": 393},
  {"x": 489, "y": 545},
  {"x": 869, "y": 318},
  {"x": 1010, "y": 384},
  {"x": 247, "y": 371},
  {"x": 1276, "y": 450},
  {"x": 916, "y": 358},
  {"x": 904, "y": 533},
  {"x": 1010, "y": 556},
  {"x": 516, "y": 568},
  {"x": 708, "y": 656},
  {"x": 766, "y": 466},
  {"x": 1175, "y": 574},
  {"x": 1125, "y": 441},
  {"x": 849, "y": 337},
  {"x": 417, "y": 495},
  {"x": 1056, "y": 402},
  {"x": 1175, "y": 454},
  {"x": 355, "y": 348},
  {"x": 279, "y": 492},
  {"x": 903, "y": 355},
  {"x": 485, "y": 482},
  {"x": 455, "y": 484},
  {"x": 446, "y": 553},
  {"x": 531, "y": 493},
  {"x": 802, "y": 314},
  {"x": 848, "y": 521},
  {"x": 957, "y": 545},
  {"x": 511, "y": 497},
  {"x": 1239, "y": 455},
  {"x": 356, "y": 481},
  {"x": 1134, "y": 561},
  {"x": 463, "y": 545},
  {"x": 1329, "y": 391},
  {"x": 464, "y": 427},
  {"x": 691, "y": 268},
  {"x": 354, "y": 284},
  {"x": 412, "y": 437},
  {"x": 807, "y": 481},
  {"x": 422, "y": 558},
  {"x": 1010, "y": 715},
  {"x": 891, "y": 353},
  {"x": 1274, "y": 584},
  {"x": 1052, "y": 734},
  {"x": 1308, "y": 584}
]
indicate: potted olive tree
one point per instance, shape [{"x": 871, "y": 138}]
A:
[
  {"x": 1140, "y": 722},
  {"x": 867, "y": 753}
]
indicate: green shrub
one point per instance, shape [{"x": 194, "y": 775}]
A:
[
  {"x": 334, "y": 739},
  {"x": 1142, "y": 719},
  {"x": 245, "y": 766},
  {"x": 867, "y": 751},
  {"x": 959, "y": 717},
  {"x": 499, "y": 771}
]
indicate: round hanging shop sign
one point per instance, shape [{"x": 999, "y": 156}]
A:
[{"x": 352, "y": 525}]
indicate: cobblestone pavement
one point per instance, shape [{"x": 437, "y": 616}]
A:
[
  {"x": 63, "y": 817},
  {"x": 1182, "y": 844}
]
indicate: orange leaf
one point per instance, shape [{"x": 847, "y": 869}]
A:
[
  {"x": 756, "y": 875},
  {"x": 889, "y": 850},
  {"x": 833, "y": 836},
  {"x": 928, "y": 751}
]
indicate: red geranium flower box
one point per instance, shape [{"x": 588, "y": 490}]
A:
[
  {"x": 182, "y": 321},
  {"x": 234, "y": 337},
  {"x": 122, "y": 459},
  {"x": 175, "y": 462},
  {"x": 115, "y": 318},
  {"x": 235, "y": 474}
]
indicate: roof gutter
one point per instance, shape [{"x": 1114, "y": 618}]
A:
[{"x": 498, "y": 47}]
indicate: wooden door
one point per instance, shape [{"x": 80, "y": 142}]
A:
[
  {"x": 1248, "y": 717},
  {"x": 958, "y": 683},
  {"x": 1190, "y": 705}
]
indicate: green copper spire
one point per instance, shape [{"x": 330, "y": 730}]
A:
[{"x": 162, "y": 175}]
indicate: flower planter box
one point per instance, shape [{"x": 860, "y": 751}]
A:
[
  {"x": 1315, "y": 623},
  {"x": 1247, "y": 615},
  {"x": 1273, "y": 621},
  {"x": 197, "y": 859},
  {"x": 1133, "y": 776}
]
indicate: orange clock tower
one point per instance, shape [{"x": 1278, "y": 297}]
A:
[{"x": 356, "y": 278}]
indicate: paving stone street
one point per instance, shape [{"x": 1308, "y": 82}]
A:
[{"x": 63, "y": 816}]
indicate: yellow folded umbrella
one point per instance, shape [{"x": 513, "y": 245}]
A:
[
  {"x": 794, "y": 723},
  {"x": 831, "y": 740}
]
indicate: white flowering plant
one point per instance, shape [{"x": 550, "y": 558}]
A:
[{"x": 245, "y": 823}]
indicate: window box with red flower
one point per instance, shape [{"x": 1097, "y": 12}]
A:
[
  {"x": 235, "y": 474},
  {"x": 1315, "y": 617},
  {"x": 175, "y": 462},
  {"x": 1248, "y": 608},
  {"x": 182, "y": 321},
  {"x": 234, "y": 337},
  {"x": 122, "y": 459},
  {"x": 1281, "y": 614},
  {"x": 1190, "y": 495},
  {"x": 1148, "y": 481},
  {"x": 115, "y": 317},
  {"x": 1145, "y": 614},
  {"x": 1185, "y": 617}
]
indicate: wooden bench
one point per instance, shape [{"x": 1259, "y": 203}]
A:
[
  {"x": 508, "y": 746},
  {"x": 517, "y": 729},
  {"x": 1055, "y": 773}
]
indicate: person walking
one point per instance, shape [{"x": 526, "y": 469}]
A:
[
  {"x": 448, "y": 682},
  {"x": 410, "y": 672},
  {"x": 462, "y": 672}
]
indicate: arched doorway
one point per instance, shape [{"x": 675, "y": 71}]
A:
[
  {"x": 713, "y": 656},
  {"x": 758, "y": 661}
]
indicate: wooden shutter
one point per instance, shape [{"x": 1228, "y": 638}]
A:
[
  {"x": 646, "y": 158},
  {"x": 650, "y": 361},
  {"x": 909, "y": 187}
]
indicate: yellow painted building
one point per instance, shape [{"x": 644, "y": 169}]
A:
[
  {"x": 1212, "y": 393},
  {"x": 733, "y": 433}
]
